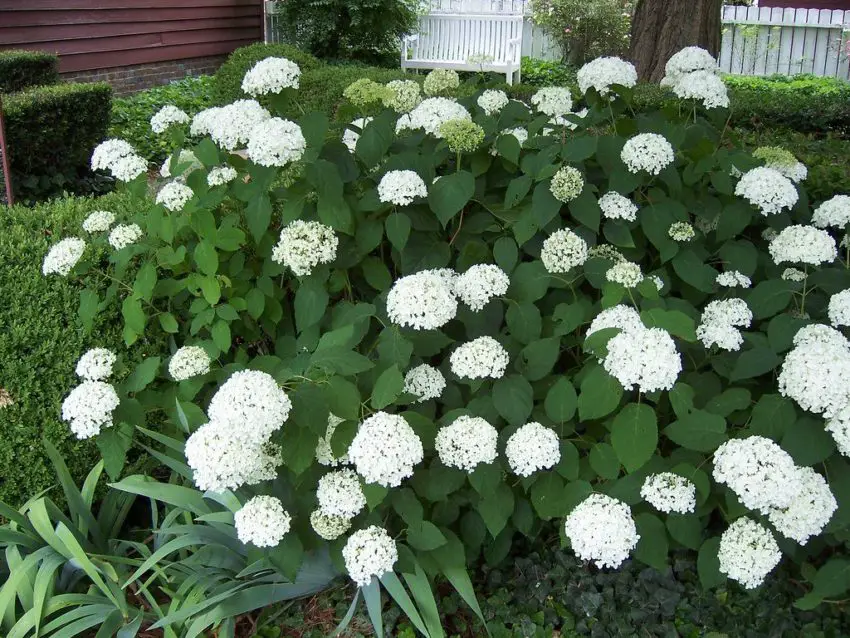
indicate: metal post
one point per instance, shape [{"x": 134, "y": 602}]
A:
[{"x": 4, "y": 155}]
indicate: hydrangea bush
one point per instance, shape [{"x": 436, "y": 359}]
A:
[{"x": 418, "y": 343}]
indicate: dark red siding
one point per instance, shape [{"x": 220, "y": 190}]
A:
[
  {"x": 98, "y": 34},
  {"x": 807, "y": 4}
]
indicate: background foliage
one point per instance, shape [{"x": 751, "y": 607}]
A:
[{"x": 22, "y": 69}]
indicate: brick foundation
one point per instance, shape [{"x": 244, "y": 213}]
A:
[{"x": 130, "y": 79}]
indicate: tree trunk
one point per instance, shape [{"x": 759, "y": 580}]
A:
[{"x": 660, "y": 28}]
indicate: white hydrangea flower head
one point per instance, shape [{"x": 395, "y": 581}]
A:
[
  {"x": 658, "y": 281},
  {"x": 492, "y": 101},
  {"x": 645, "y": 358},
  {"x": 689, "y": 60},
  {"x": 124, "y": 235},
  {"x": 620, "y": 316},
  {"x": 767, "y": 189},
  {"x": 88, "y": 408},
  {"x": 793, "y": 274},
  {"x": 563, "y": 250},
  {"x": 733, "y": 279},
  {"x": 839, "y": 308},
  {"x": 385, "y": 449},
  {"x": 669, "y": 493},
  {"x": 252, "y": 403},
  {"x": 223, "y": 460},
  {"x": 324, "y": 451},
  {"x": 271, "y": 75},
  {"x": 350, "y": 136},
  {"x": 232, "y": 126},
  {"x": 262, "y": 521},
  {"x": 615, "y": 206},
  {"x": 720, "y": 320},
  {"x": 305, "y": 245},
  {"x": 816, "y": 333},
  {"x": 188, "y": 362},
  {"x": 369, "y": 553},
  {"x": 205, "y": 121},
  {"x": 681, "y": 231},
  {"x": 760, "y": 473},
  {"x": 803, "y": 245},
  {"x": 704, "y": 86},
  {"x": 424, "y": 382},
  {"x": 221, "y": 175},
  {"x": 606, "y": 251},
  {"x": 328, "y": 526},
  {"x": 401, "y": 188},
  {"x": 129, "y": 167},
  {"x": 481, "y": 358},
  {"x": 554, "y": 101},
  {"x": 99, "y": 221},
  {"x": 440, "y": 81},
  {"x": 748, "y": 552},
  {"x": 604, "y": 72},
  {"x": 567, "y": 184},
  {"x": 809, "y": 512},
  {"x": 339, "y": 494},
  {"x": 108, "y": 152},
  {"x": 601, "y": 529},
  {"x": 422, "y": 301},
  {"x": 625, "y": 273},
  {"x": 839, "y": 427},
  {"x": 403, "y": 96},
  {"x": 430, "y": 115},
  {"x": 96, "y": 364},
  {"x": 276, "y": 142},
  {"x": 166, "y": 117},
  {"x": 478, "y": 285},
  {"x": 531, "y": 448},
  {"x": 648, "y": 152},
  {"x": 466, "y": 443},
  {"x": 834, "y": 212},
  {"x": 63, "y": 256},
  {"x": 174, "y": 196}
]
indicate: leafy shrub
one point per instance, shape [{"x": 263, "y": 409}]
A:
[
  {"x": 130, "y": 119},
  {"x": 585, "y": 29},
  {"x": 536, "y": 72},
  {"x": 20, "y": 70}
]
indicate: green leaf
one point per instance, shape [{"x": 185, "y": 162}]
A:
[
  {"x": 772, "y": 416},
  {"x": 539, "y": 357},
  {"x": 807, "y": 441},
  {"x": 517, "y": 190},
  {"x": 450, "y": 194},
  {"x": 496, "y": 508},
  {"x": 340, "y": 360},
  {"x": 221, "y": 335},
  {"x": 586, "y": 210},
  {"x": 548, "y": 497},
  {"x": 652, "y": 546},
  {"x": 143, "y": 375},
  {"x": 485, "y": 477},
  {"x": 374, "y": 141},
  {"x": 634, "y": 435},
  {"x": 425, "y": 536},
  {"x": 398, "y": 230},
  {"x": 145, "y": 281},
  {"x": 387, "y": 388},
  {"x": 600, "y": 395},
  {"x": 673, "y": 321},
  {"x": 754, "y": 363},
  {"x": 287, "y": 556},
  {"x": 513, "y": 398},
  {"x": 375, "y": 494},
  {"x": 708, "y": 565},
  {"x": 603, "y": 460},
  {"x": 833, "y": 579},
  {"x": 255, "y": 301},
  {"x": 407, "y": 505},
  {"x": 699, "y": 430},
  {"x": 524, "y": 321},
  {"x": 298, "y": 447},
  {"x": 770, "y": 297},
  {"x": 334, "y": 211},
  {"x": 693, "y": 271},
  {"x": 561, "y": 401},
  {"x": 88, "y": 309},
  {"x": 506, "y": 253},
  {"x": 685, "y": 529},
  {"x": 206, "y": 257},
  {"x": 508, "y": 146},
  {"x": 168, "y": 323},
  {"x": 311, "y": 300},
  {"x": 544, "y": 206},
  {"x": 729, "y": 401},
  {"x": 114, "y": 443},
  {"x": 258, "y": 214},
  {"x": 134, "y": 316}
]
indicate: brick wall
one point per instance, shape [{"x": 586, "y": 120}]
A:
[{"x": 129, "y": 79}]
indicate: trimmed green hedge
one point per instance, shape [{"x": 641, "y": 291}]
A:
[{"x": 21, "y": 69}]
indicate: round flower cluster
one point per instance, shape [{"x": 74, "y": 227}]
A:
[
  {"x": 424, "y": 382},
  {"x": 567, "y": 184},
  {"x": 833, "y": 212},
  {"x": 63, "y": 256},
  {"x": 492, "y": 101},
  {"x": 688, "y": 60},
  {"x": 461, "y": 135},
  {"x": 364, "y": 92},
  {"x": 625, "y": 273},
  {"x": 324, "y": 451},
  {"x": 440, "y": 81},
  {"x": 401, "y": 188},
  {"x": 669, "y": 493},
  {"x": 402, "y": 96},
  {"x": 339, "y": 494},
  {"x": 601, "y": 529},
  {"x": 760, "y": 473},
  {"x": 554, "y": 101},
  {"x": 606, "y": 251},
  {"x": 839, "y": 427},
  {"x": 252, "y": 403},
  {"x": 350, "y": 136},
  {"x": 124, "y": 235},
  {"x": 368, "y": 553},
  {"x": 615, "y": 206},
  {"x": 767, "y": 189},
  {"x": 89, "y": 407},
  {"x": 648, "y": 152},
  {"x": 232, "y": 126},
  {"x": 783, "y": 161},
  {"x": 119, "y": 158},
  {"x": 385, "y": 449},
  {"x": 305, "y": 245},
  {"x": 129, "y": 167},
  {"x": 732, "y": 279},
  {"x": 719, "y": 320},
  {"x": 602, "y": 73},
  {"x": 276, "y": 142},
  {"x": 480, "y": 358},
  {"x": 422, "y": 301},
  {"x": 793, "y": 274},
  {"x": 221, "y": 175},
  {"x": 271, "y": 75},
  {"x": 620, "y": 316},
  {"x": 839, "y": 308},
  {"x": 480, "y": 284},
  {"x": 803, "y": 245},
  {"x": 99, "y": 221},
  {"x": 748, "y": 552},
  {"x": 705, "y": 86},
  {"x": 531, "y": 448},
  {"x": 96, "y": 364},
  {"x": 167, "y": 116},
  {"x": 262, "y": 521},
  {"x": 809, "y": 511},
  {"x": 430, "y": 114},
  {"x": 188, "y": 362},
  {"x": 174, "y": 196},
  {"x": 644, "y": 358},
  {"x": 466, "y": 443},
  {"x": 563, "y": 250},
  {"x": 681, "y": 231},
  {"x": 819, "y": 333},
  {"x": 203, "y": 122},
  {"x": 327, "y": 526}
]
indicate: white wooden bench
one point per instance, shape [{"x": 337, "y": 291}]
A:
[{"x": 466, "y": 42}]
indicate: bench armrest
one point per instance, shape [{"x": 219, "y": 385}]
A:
[{"x": 413, "y": 37}]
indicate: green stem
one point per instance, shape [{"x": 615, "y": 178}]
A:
[
  {"x": 457, "y": 163},
  {"x": 803, "y": 294}
]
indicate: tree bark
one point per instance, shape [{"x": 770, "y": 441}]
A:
[{"x": 660, "y": 28}]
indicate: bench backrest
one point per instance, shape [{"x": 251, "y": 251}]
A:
[{"x": 465, "y": 37}]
